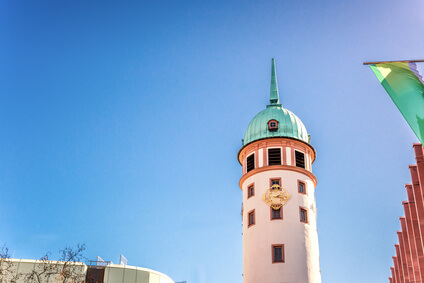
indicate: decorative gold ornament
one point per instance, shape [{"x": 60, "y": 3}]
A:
[{"x": 276, "y": 197}]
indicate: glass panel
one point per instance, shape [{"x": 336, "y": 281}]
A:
[
  {"x": 251, "y": 191},
  {"x": 276, "y": 214},
  {"x": 251, "y": 218},
  {"x": 278, "y": 254},
  {"x": 301, "y": 188},
  {"x": 303, "y": 217}
]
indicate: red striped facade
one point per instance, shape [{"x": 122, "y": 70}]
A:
[{"x": 408, "y": 264}]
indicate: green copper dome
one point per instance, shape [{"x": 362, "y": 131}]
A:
[{"x": 289, "y": 125}]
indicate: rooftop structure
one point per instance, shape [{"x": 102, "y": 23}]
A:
[
  {"x": 18, "y": 271},
  {"x": 289, "y": 125},
  {"x": 408, "y": 263}
]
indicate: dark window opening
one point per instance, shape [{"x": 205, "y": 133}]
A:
[
  {"x": 302, "y": 188},
  {"x": 278, "y": 253},
  {"x": 251, "y": 162},
  {"x": 274, "y": 156},
  {"x": 303, "y": 215},
  {"x": 251, "y": 218},
  {"x": 250, "y": 191},
  {"x": 300, "y": 159},
  {"x": 276, "y": 213},
  {"x": 275, "y": 182}
]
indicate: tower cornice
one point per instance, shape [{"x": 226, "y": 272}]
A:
[
  {"x": 277, "y": 167},
  {"x": 283, "y": 140}
]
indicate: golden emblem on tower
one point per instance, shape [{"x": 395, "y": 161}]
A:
[{"x": 276, "y": 196}]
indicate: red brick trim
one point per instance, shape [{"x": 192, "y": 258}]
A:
[
  {"x": 248, "y": 218},
  {"x": 417, "y": 212},
  {"x": 399, "y": 263},
  {"x": 282, "y": 251},
  {"x": 407, "y": 246},
  {"x": 392, "y": 271},
  {"x": 395, "y": 264},
  {"x": 411, "y": 236},
  {"x": 403, "y": 256}
]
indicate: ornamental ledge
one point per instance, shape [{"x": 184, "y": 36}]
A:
[{"x": 278, "y": 167}]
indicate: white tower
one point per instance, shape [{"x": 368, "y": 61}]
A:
[{"x": 280, "y": 238}]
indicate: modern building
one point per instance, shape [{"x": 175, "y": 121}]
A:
[
  {"x": 18, "y": 270},
  {"x": 408, "y": 264},
  {"x": 280, "y": 238}
]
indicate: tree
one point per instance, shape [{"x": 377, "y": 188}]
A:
[
  {"x": 68, "y": 269},
  {"x": 8, "y": 268}
]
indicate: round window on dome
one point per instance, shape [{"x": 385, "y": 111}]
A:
[{"x": 272, "y": 125}]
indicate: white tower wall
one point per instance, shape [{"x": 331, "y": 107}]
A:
[{"x": 300, "y": 240}]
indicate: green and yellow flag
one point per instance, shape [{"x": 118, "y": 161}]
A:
[{"x": 406, "y": 88}]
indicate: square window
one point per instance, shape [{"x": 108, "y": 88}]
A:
[
  {"x": 251, "y": 218},
  {"x": 277, "y": 253},
  {"x": 275, "y": 182},
  {"x": 276, "y": 213},
  {"x": 250, "y": 191},
  {"x": 301, "y": 187},
  {"x": 303, "y": 215},
  {"x": 272, "y": 125}
]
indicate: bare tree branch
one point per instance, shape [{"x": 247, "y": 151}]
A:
[
  {"x": 68, "y": 269},
  {"x": 7, "y": 267}
]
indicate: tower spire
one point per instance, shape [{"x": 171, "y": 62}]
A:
[{"x": 273, "y": 93}]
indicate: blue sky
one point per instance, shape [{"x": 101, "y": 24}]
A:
[{"x": 121, "y": 121}]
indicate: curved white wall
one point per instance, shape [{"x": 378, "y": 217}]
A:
[
  {"x": 300, "y": 240},
  {"x": 132, "y": 274},
  {"x": 113, "y": 273}
]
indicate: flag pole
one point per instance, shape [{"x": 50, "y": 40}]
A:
[{"x": 399, "y": 61}]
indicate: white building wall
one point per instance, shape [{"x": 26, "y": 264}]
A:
[
  {"x": 114, "y": 273},
  {"x": 300, "y": 239},
  {"x": 131, "y": 274}
]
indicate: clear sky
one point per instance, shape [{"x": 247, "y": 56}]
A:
[{"x": 120, "y": 122}]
